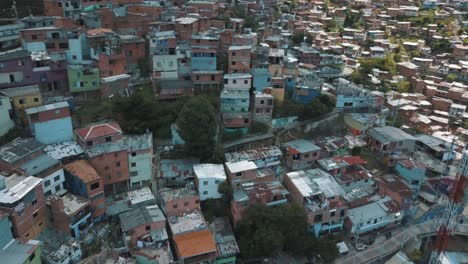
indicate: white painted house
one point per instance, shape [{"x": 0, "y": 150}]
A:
[{"x": 208, "y": 177}]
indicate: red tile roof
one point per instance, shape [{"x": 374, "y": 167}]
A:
[
  {"x": 96, "y": 131},
  {"x": 354, "y": 160},
  {"x": 195, "y": 243}
]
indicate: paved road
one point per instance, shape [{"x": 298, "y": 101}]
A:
[{"x": 399, "y": 239}]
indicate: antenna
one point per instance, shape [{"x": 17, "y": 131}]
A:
[{"x": 14, "y": 9}]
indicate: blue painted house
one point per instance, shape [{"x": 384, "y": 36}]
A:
[
  {"x": 261, "y": 78},
  {"x": 203, "y": 59},
  {"x": 289, "y": 82},
  {"x": 306, "y": 91},
  {"x": 52, "y": 117},
  {"x": 234, "y": 101},
  {"x": 413, "y": 172}
]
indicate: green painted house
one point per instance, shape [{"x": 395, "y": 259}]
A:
[{"x": 83, "y": 78}]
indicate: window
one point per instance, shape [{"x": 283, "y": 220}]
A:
[
  {"x": 106, "y": 168},
  {"x": 57, "y": 188},
  {"x": 35, "y": 214},
  {"x": 89, "y": 143},
  {"x": 175, "y": 206},
  {"x": 57, "y": 178},
  {"x": 34, "y": 202},
  {"x": 239, "y": 174},
  {"x": 74, "y": 57},
  {"x": 246, "y": 82},
  {"x": 48, "y": 193},
  {"x": 108, "y": 139},
  {"x": 108, "y": 177},
  {"x": 22, "y": 101},
  {"x": 47, "y": 183},
  {"x": 225, "y": 81},
  {"x": 34, "y": 36},
  {"x": 197, "y": 201},
  {"x": 133, "y": 154},
  {"x": 198, "y": 77},
  {"x": 94, "y": 186},
  {"x": 20, "y": 62},
  {"x": 342, "y": 213},
  {"x": 133, "y": 164},
  {"x": 212, "y": 77},
  {"x": 128, "y": 53},
  {"x": 118, "y": 174},
  {"x": 134, "y": 173},
  {"x": 205, "y": 183},
  {"x": 117, "y": 164},
  {"x": 233, "y": 53},
  {"x": 234, "y": 81},
  {"x": 63, "y": 45},
  {"x": 205, "y": 192},
  {"x": 332, "y": 213},
  {"x": 186, "y": 204},
  {"x": 233, "y": 63},
  {"x": 246, "y": 121},
  {"x": 116, "y": 154},
  {"x": 148, "y": 228},
  {"x": 318, "y": 218},
  {"x": 217, "y": 181}
]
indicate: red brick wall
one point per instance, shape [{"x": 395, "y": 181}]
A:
[
  {"x": 107, "y": 166},
  {"x": 27, "y": 226},
  {"x": 141, "y": 231},
  {"x": 52, "y": 114},
  {"x": 183, "y": 205}
]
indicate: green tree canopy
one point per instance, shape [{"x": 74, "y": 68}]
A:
[
  {"x": 197, "y": 127},
  {"x": 264, "y": 231}
]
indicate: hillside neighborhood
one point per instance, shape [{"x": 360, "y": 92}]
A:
[{"x": 243, "y": 131}]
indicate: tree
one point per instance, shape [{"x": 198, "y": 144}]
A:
[
  {"x": 264, "y": 231},
  {"x": 226, "y": 190},
  {"x": 452, "y": 77},
  {"x": 356, "y": 151},
  {"x": 197, "y": 127}
]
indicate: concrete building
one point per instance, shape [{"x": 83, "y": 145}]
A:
[
  {"x": 348, "y": 171},
  {"x": 208, "y": 177},
  {"x": 6, "y": 115},
  {"x": 107, "y": 150},
  {"x": 351, "y": 96},
  {"x": 193, "y": 241},
  {"x": 17, "y": 64},
  {"x": 264, "y": 158},
  {"x": 412, "y": 171},
  {"x": 22, "y": 198},
  {"x": 225, "y": 240},
  {"x": 10, "y": 35},
  {"x": 239, "y": 59},
  {"x": 203, "y": 59},
  {"x": 83, "y": 180},
  {"x": 320, "y": 196},
  {"x": 140, "y": 159},
  {"x": 178, "y": 201},
  {"x": 301, "y": 154},
  {"x": 60, "y": 248},
  {"x": 14, "y": 250},
  {"x": 261, "y": 78},
  {"x": 372, "y": 216},
  {"x": 263, "y": 106},
  {"x": 115, "y": 85},
  {"x": 387, "y": 140},
  {"x": 52, "y": 117},
  {"x": 144, "y": 226},
  {"x": 70, "y": 213},
  {"x": 84, "y": 80},
  {"x": 270, "y": 194},
  {"x": 27, "y": 155}
]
